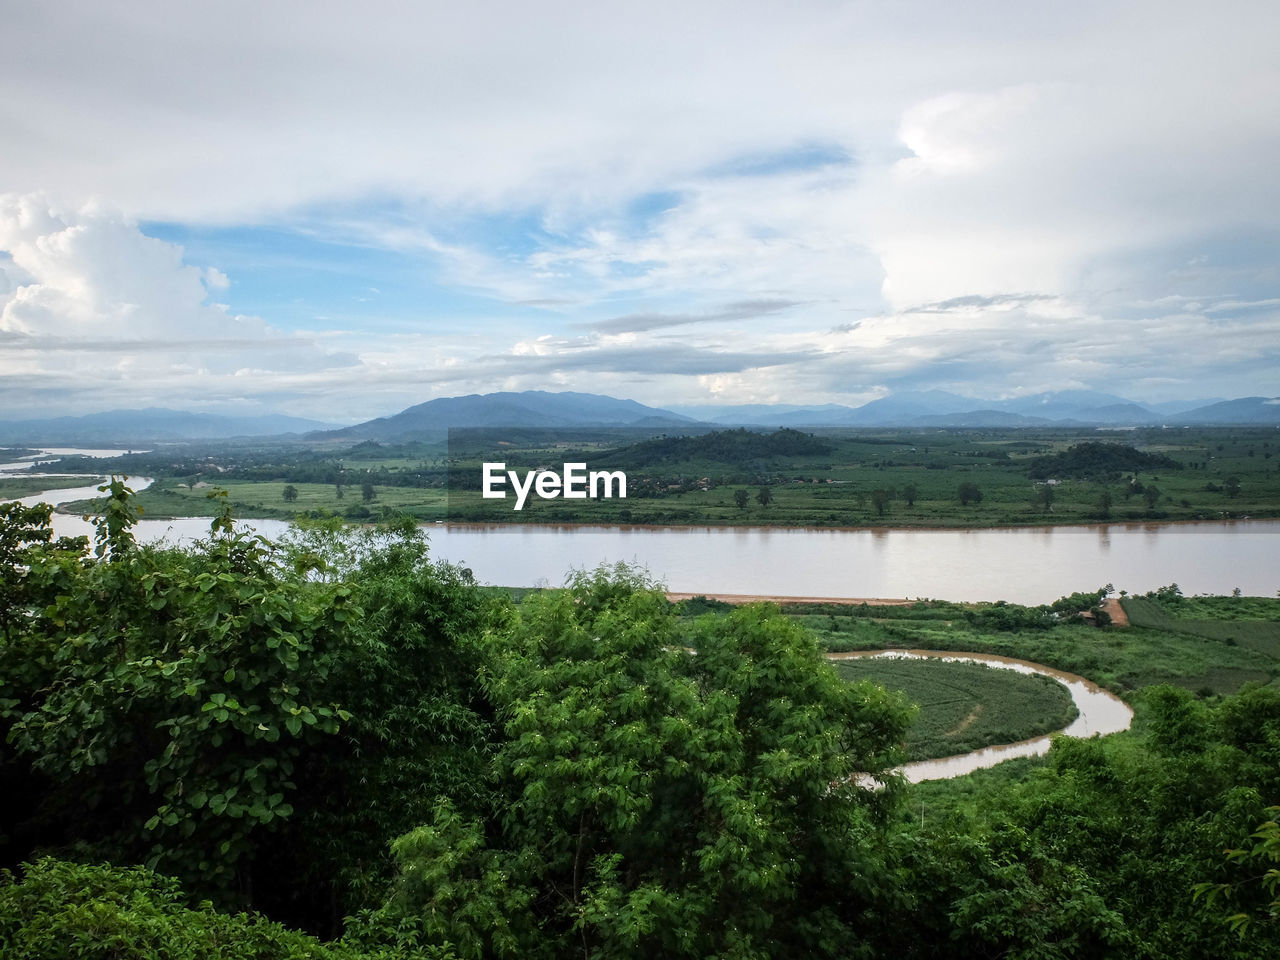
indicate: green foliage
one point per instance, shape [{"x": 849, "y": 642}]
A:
[
  {"x": 1119, "y": 659},
  {"x": 1098, "y": 461},
  {"x": 966, "y": 706},
  {"x": 696, "y": 606},
  {"x": 1101, "y": 852},
  {"x": 172, "y": 694},
  {"x": 660, "y": 800},
  {"x": 1258, "y": 857},
  {"x": 880, "y": 499},
  {"x": 26, "y": 536},
  {"x": 738, "y": 447},
  {"x": 238, "y": 711},
  {"x": 71, "y": 911}
]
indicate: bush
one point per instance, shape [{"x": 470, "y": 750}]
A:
[{"x": 61, "y": 911}]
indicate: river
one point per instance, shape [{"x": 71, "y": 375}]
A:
[{"x": 1028, "y": 565}]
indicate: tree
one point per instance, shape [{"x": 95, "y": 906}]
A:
[
  {"x": 290, "y": 493},
  {"x": 1103, "y": 505},
  {"x": 367, "y": 491},
  {"x": 764, "y": 496},
  {"x": 170, "y": 695},
  {"x": 1044, "y": 496},
  {"x": 740, "y": 497},
  {"x": 909, "y": 494},
  {"x": 657, "y": 801},
  {"x": 180, "y": 707},
  {"x": 968, "y": 493},
  {"x": 880, "y": 499},
  {"x": 1231, "y": 487},
  {"x": 1151, "y": 495}
]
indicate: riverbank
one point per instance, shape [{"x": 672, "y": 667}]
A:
[{"x": 850, "y": 565}]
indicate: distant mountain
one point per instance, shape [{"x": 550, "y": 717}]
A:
[
  {"x": 1082, "y": 405},
  {"x": 938, "y": 408},
  {"x": 153, "y": 424},
  {"x": 900, "y": 408},
  {"x": 1169, "y": 408},
  {"x": 894, "y": 410},
  {"x": 980, "y": 418},
  {"x": 532, "y": 408},
  {"x": 1264, "y": 410},
  {"x": 760, "y": 414}
]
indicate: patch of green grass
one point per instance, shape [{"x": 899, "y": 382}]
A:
[
  {"x": 249, "y": 498},
  {"x": 14, "y": 488},
  {"x": 1245, "y": 621},
  {"x": 967, "y": 706}
]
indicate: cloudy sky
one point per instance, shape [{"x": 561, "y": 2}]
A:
[{"x": 338, "y": 210}]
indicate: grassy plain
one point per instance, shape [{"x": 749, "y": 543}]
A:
[
  {"x": 902, "y": 478},
  {"x": 169, "y": 497},
  {"x": 1122, "y": 659},
  {"x": 1250, "y": 622}
]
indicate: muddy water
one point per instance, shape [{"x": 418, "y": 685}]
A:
[
  {"x": 1101, "y": 712},
  {"x": 176, "y": 531},
  {"x": 1023, "y": 565}
]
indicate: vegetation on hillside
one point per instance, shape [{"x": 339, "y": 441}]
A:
[
  {"x": 738, "y": 448},
  {"x": 1098, "y": 461}
]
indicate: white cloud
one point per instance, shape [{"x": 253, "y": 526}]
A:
[
  {"x": 95, "y": 304},
  {"x": 1098, "y": 157}
]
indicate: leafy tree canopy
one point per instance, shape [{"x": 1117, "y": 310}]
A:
[
  {"x": 663, "y": 794},
  {"x": 734, "y": 447},
  {"x": 1097, "y": 461}
]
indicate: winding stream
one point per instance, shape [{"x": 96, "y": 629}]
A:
[{"x": 1101, "y": 712}]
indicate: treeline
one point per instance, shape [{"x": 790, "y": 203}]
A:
[{"x": 358, "y": 742}]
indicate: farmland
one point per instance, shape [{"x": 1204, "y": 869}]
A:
[
  {"x": 966, "y": 706},
  {"x": 1122, "y": 660},
  {"x": 892, "y": 478}
]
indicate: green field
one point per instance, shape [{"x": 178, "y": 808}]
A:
[
  {"x": 966, "y": 706},
  {"x": 248, "y": 498},
  {"x": 1122, "y": 659},
  {"x": 1251, "y": 622},
  {"x": 903, "y": 478}
]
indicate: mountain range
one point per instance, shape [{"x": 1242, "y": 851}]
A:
[
  {"x": 532, "y": 408},
  {"x": 541, "y": 409},
  {"x": 937, "y": 408}
]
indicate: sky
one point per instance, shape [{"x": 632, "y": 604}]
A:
[{"x": 335, "y": 210}]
